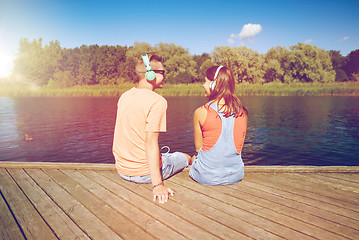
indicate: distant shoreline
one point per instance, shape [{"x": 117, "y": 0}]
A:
[{"x": 193, "y": 89}]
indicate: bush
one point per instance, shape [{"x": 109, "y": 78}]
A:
[{"x": 340, "y": 75}]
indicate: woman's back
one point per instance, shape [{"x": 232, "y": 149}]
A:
[
  {"x": 212, "y": 129},
  {"x": 221, "y": 164}
]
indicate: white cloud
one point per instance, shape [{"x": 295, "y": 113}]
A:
[
  {"x": 230, "y": 40},
  {"x": 344, "y": 39},
  {"x": 248, "y": 32},
  {"x": 308, "y": 41}
]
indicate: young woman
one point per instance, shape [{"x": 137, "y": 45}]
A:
[{"x": 219, "y": 131}]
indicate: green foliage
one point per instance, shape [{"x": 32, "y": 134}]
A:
[
  {"x": 355, "y": 77},
  {"x": 338, "y": 61},
  {"x": 352, "y": 64},
  {"x": 28, "y": 63},
  {"x": 62, "y": 79},
  {"x": 194, "y": 89},
  {"x": 246, "y": 64},
  {"x": 310, "y": 64},
  {"x": 51, "y": 65},
  {"x": 179, "y": 64},
  {"x": 205, "y": 65},
  {"x": 203, "y": 62},
  {"x": 273, "y": 60},
  {"x": 340, "y": 75}
]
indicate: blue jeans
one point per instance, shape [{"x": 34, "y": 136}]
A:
[{"x": 172, "y": 164}]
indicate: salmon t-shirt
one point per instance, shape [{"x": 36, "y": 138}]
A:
[{"x": 138, "y": 111}]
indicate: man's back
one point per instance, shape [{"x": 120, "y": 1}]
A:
[{"x": 139, "y": 110}]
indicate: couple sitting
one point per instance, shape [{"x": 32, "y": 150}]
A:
[{"x": 219, "y": 131}]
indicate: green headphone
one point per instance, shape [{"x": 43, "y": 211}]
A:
[{"x": 150, "y": 75}]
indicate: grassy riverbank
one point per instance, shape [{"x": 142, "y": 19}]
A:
[{"x": 270, "y": 89}]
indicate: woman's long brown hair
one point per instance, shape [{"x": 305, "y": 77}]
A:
[{"x": 225, "y": 88}]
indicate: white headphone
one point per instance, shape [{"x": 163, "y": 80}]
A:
[{"x": 212, "y": 84}]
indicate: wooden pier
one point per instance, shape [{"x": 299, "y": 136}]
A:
[{"x": 90, "y": 201}]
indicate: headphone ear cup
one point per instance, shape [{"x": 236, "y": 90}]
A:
[{"x": 150, "y": 75}]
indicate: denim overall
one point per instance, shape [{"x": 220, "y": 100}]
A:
[{"x": 220, "y": 165}]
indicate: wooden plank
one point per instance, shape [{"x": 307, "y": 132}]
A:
[
  {"x": 295, "y": 209},
  {"x": 56, "y": 165},
  {"x": 347, "y": 188},
  {"x": 247, "y": 168},
  {"x": 31, "y": 223},
  {"x": 201, "y": 220},
  {"x": 350, "y": 177},
  {"x": 299, "y": 202},
  {"x": 195, "y": 201},
  {"x": 145, "y": 221},
  {"x": 301, "y": 184},
  {"x": 59, "y": 222},
  {"x": 269, "y": 203},
  {"x": 87, "y": 221},
  {"x": 8, "y": 226},
  {"x": 238, "y": 210},
  {"x": 334, "y": 192},
  {"x": 118, "y": 223},
  {"x": 295, "y": 188},
  {"x": 287, "y": 225},
  {"x": 300, "y": 169},
  {"x": 130, "y": 192}
]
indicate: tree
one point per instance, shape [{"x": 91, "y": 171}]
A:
[
  {"x": 50, "y": 60},
  {"x": 341, "y": 75},
  {"x": 352, "y": 64},
  {"x": 28, "y": 63},
  {"x": 273, "y": 71},
  {"x": 246, "y": 64},
  {"x": 338, "y": 61},
  {"x": 203, "y": 68},
  {"x": 71, "y": 62},
  {"x": 307, "y": 63},
  {"x": 180, "y": 69},
  {"x": 132, "y": 54},
  {"x": 179, "y": 64},
  {"x": 200, "y": 59},
  {"x": 62, "y": 79}
]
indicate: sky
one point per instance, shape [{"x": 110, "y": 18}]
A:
[{"x": 198, "y": 26}]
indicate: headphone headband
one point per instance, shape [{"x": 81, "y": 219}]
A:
[
  {"x": 212, "y": 84},
  {"x": 217, "y": 71},
  {"x": 150, "y": 75}
]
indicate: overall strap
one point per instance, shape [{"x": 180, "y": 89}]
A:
[{"x": 215, "y": 108}]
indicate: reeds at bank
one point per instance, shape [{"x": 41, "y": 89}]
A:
[
  {"x": 299, "y": 89},
  {"x": 194, "y": 89}
]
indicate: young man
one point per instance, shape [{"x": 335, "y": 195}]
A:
[{"x": 141, "y": 115}]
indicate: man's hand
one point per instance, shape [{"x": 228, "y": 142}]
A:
[{"x": 161, "y": 192}]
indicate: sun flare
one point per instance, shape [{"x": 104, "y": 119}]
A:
[{"x": 6, "y": 63}]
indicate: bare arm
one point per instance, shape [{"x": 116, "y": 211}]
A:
[
  {"x": 199, "y": 117},
  {"x": 153, "y": 157}
]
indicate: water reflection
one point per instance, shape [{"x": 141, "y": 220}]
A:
[
  {"x": 281, "y": 130},
  {"x": 302, "y": 130},
  {"x": 9, "y": 137}
]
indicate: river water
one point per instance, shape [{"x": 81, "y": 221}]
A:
[{"x": 281, "y": 130}]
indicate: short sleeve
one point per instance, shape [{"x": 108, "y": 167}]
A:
[{"x": 156, "y": 118}]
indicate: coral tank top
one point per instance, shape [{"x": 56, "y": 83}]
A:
[{"x": 212, "y": 127}]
